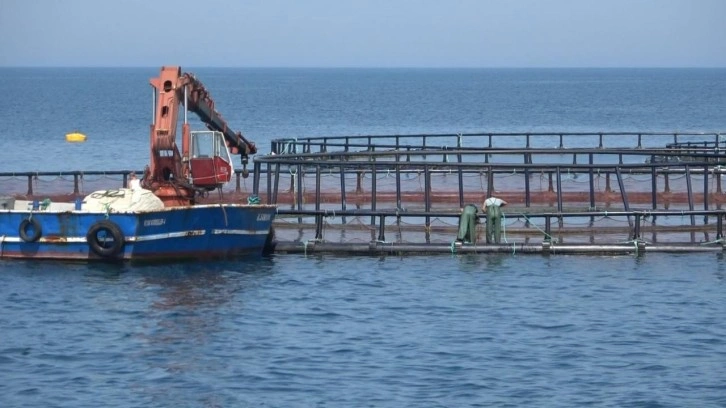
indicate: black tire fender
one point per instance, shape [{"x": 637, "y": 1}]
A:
[
  {"x": 102, "y": 247},
  {"x": 35, "y": 231}
]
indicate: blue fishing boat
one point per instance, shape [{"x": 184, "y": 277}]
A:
[
  {"x": 200, "y": 231},
  {"x": 160, "y": 216}
]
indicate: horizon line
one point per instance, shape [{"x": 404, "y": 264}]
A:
[{"x": 371, "y": 67}]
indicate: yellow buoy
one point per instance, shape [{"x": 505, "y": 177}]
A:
[{"x": 75, "y": 137}]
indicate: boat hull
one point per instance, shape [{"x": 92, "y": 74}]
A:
[{"x": 176, "y": 233}]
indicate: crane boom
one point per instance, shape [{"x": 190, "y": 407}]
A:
[
  {"x": 202, "y": 104},
  {"x": 203, "y": 163}
]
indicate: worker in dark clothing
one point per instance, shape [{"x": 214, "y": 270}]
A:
[{"x": 467, "y": 225}]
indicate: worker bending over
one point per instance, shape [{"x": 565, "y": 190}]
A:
[{"x": 493, "y": 205}]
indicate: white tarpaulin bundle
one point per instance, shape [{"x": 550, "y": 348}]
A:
[{"x": 122, "y": 200}]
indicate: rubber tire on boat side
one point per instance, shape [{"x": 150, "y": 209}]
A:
[
  {"x": 97, "y": 247},
  {"x": 23, "y": 230}
]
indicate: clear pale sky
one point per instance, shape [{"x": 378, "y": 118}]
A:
[{"x": 364, "y": 33}]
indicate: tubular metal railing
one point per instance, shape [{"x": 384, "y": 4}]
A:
[
  {"x": 297, "y": 167},
  {"x": 634, "y": 226},
  {"x": 594, "y": 140},
  {"x": 357, "y": 165}
]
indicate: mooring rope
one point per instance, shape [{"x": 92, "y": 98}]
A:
[
  {"x": 504, "y": 228},
  {"x": 716, "y": 241},
  {"x": 224, "y": 212},
  {"x": 305, "y": 247},
  {"x": 548, "y": 236}
]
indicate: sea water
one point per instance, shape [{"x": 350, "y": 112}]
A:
[{"x": 294, "y": 330}]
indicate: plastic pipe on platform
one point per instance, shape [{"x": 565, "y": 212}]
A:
[{"x": 378, "y": 248}]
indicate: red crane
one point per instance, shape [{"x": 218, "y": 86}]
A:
[{"x": 204, "y": 162}]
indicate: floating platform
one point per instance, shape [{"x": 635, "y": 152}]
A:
[
  {"x": 624, "y": 192},
  {"x": 400, "y": 249},
  {"x": 566, "y": 192}
]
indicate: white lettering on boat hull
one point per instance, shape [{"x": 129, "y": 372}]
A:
[{"x": 155, "y": 222}]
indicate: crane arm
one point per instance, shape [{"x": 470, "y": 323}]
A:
[
  {"x": 170, "y": 174},
  {"x": 200, "y": 103}
]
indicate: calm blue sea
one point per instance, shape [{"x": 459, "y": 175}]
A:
[{"x": 327, "y": 331}]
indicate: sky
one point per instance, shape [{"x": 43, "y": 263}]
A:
[{"x": 363, "y": 33}]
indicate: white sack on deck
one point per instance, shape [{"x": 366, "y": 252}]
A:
[{"x": 121, "y": 200}]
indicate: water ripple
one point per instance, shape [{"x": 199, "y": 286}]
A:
[{"x": 366, "y": 332}]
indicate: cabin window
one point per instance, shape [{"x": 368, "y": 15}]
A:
[{"x": 203, "y": 145}]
